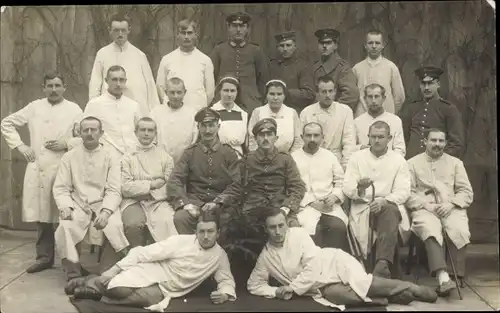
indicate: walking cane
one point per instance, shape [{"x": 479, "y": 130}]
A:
[
  {"x": 372, "y": 259},
  {"x": 446, "y": 247},
  {"x": 353, "y": 242}
]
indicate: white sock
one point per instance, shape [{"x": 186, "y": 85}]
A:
[{"x": 443, "y": 276}]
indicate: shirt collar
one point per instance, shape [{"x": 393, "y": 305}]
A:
[
  {"x": 214, "y": 148},
  {"x": 262, "y": 156},
  {"x": 376, "y": 61},
  {"x": 429, "y": 159},
  {"x": 120, "y": 48},
  {"x": 99, "y": 147},
  {"x": 380, "y": 157},
  {"x": 234, "y": 44},
  {"x": 219, "y": 107},
  {"x": 330, "y": 109},
  {"x": 113, "y": 96},
  {"x": 277, "y": 114}
]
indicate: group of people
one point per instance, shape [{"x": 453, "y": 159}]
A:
[{"x": 158, "y": 181}]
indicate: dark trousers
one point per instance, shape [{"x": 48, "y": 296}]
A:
[
  {"x": 386, "y": 223},
  {"x": 184, "y": 222},
  {"x": 331, "y": 232},
  {"x": 380, "y": 288},
  {"x": 135, "y": 297},
  {"x": 436, "y": 256},
  {"x": 134, "y": 225},
  {"x": 45, "y": 242}
]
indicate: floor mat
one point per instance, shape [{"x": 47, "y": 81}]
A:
[{"x": 244, "y": 303}]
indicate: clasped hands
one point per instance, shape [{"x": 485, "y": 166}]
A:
[{"x": 194, "y": 210}]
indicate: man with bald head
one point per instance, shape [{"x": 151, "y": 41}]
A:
[
  {"x": 382, "y": 206},
  {"x": 176, "y": 125},
  {"x": 320, "y": 211}
]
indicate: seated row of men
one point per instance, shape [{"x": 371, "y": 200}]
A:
[{"x": 208, "y": 177}]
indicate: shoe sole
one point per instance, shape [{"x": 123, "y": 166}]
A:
[{"x": 43, "y": 268}]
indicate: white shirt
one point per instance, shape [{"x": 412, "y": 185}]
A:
[
  {"x": 364, "y": 121},
  {"x": 306, "y": 268},
  {"x": 140, "y": 82},
  {"x": 233, "y": 125},
  {"x": 383, "y": 72},
  {"x": 320, "y": 181},
  {"x": 391, "y": 180},
  {"x": 177, "y": 128},
  {"x": 196, "y": 70},
  {"x": 338, "y": 128},
  {"x": 118, "y": 117},
  {"x": 289, "y": 127}
]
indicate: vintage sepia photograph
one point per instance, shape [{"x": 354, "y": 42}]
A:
[{"x": 229, "y": 157}]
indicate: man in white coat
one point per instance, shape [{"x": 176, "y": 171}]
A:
[
  {"x": 87, "y": 193},
  {"x": 387, "y": 172},
  {"x": 177, "y": 128},
  {"x": 320, "y": 209},
  {"x": 145, "y": 212},
  {"x": 117, "y": 113},
  {"x": 50, "y": 122},
  {"x": 141, "y": 85},
  {"x": 335, "y": 118},
  {"x": 440, "y": 195},
  {"x": 151, "y": 276},
  {"x": 191, "y": 65},
  {"x": 375, "y": 96},
  {"x": 377, "y": 69},
  {"x": 331, "y": 276}
]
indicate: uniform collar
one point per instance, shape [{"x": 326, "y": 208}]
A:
[
  {"x": 214, "y": 148},
  {"x": 330, "y": 64},
  {"x": 235, "y": 45},
  {"x": 289, "y": 60},
  {"x": 262, "y": 156},
  {"x": 429, "y": 159}
]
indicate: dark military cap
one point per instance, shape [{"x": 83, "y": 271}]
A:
[
  {"x": 267, "y": 123},
  {"x": 326, "y": 33},
  {"x": 428, "y": 73},
  {"x": 285, "y": 36},
  {"x": 241, "y": 17},
  {"x": 206, "y": 115}
]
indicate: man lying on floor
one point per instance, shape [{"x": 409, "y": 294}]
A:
[
  {"x": 150, "y": 276},
  {"x": 331, "y": 276}
]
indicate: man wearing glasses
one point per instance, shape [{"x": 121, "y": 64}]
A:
[{"x": 140, "y": 84}]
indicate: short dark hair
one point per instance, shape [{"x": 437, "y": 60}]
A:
[
  {"x": 310, "y": 124},
  {"x": 435, "y": 130},
  {"x": 91, "y": 118},
  {"x": 144, "y": 119},
  {"x": 115, "y": 68},
  {"x": 185, "y": 23},
  {"x": 375, "y": 32},
  {"x": 119, "y": 18},
  {"x": 209, "y": 216},
  {"x": 325, "y": 79},
  {"x": 274, "y": 211},
  {"x": 373, "y": 86},
  {"x": 51, "y": 75},
  {"x": 380, "y": 124}
]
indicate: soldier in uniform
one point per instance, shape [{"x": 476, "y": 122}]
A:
[
  {"x": 294, "y": 70},
  {"x": 202, "y": 175},
  {"x": 244, "y": 59},
  {"x": 333, "y": 65},
  {"x": 431, "y": 112}
]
